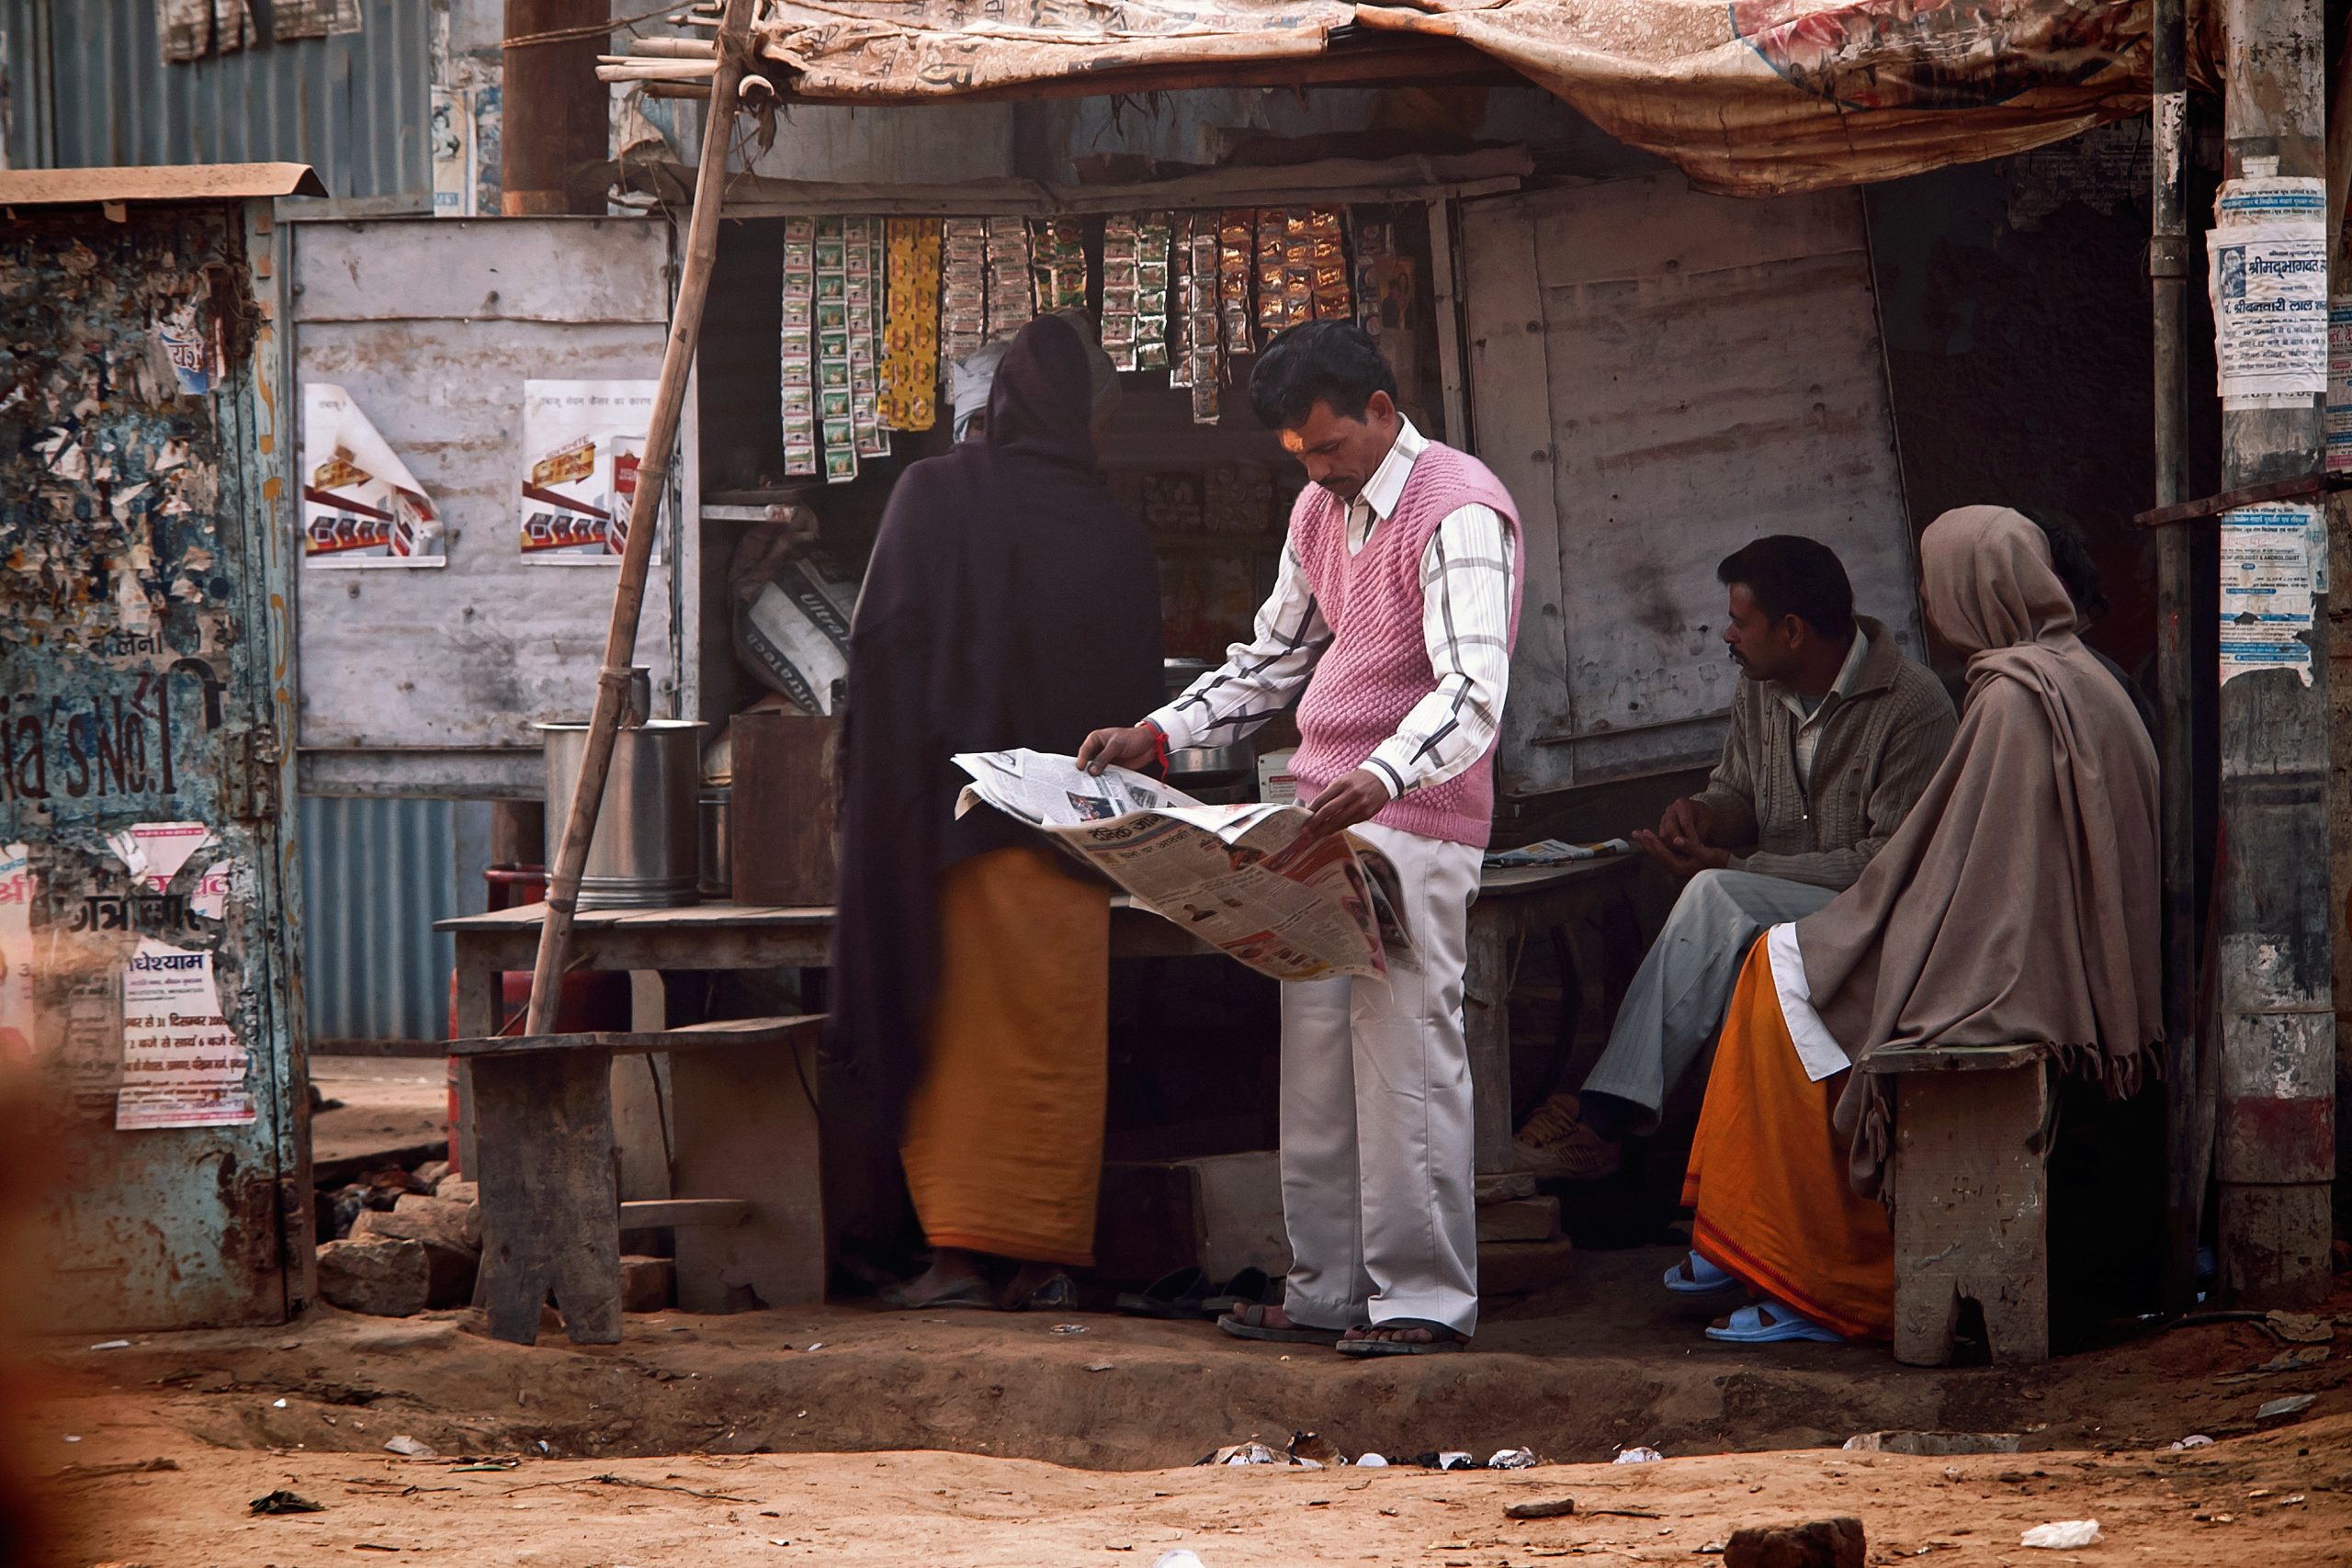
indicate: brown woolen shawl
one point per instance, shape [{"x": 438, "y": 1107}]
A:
[{"x": 2019, "y": 901}]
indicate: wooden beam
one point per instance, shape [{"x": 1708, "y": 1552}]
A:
[
  {"x": 738, "y": 1032},
  {"x": 650, "y": 1214}
]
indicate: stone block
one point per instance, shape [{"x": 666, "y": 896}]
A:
[
  {"x": 384, "y": 1276},
  {"x": 450, "y": 1233},
  {"x": 647, "y": 1283},
  {"x": 1823, "y": 1543}
]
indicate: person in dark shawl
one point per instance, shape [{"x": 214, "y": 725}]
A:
[
  {"x": 1010, "y": 602},
  {"x": 2017, "y": 903}
]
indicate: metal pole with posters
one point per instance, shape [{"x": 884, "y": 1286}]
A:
[{"x": 2275, "y": 1152}]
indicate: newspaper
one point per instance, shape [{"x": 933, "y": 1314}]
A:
[{"x": 1239, "y": 878}]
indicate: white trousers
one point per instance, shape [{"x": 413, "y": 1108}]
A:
[{"x": 1377, "y": 1150}]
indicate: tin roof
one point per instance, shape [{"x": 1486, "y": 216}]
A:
[{"x": 187, "y": 182}]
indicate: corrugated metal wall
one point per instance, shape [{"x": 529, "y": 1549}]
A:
[
  {"x": 91, "y": 88},
  {"x": 376, "y": 874}
]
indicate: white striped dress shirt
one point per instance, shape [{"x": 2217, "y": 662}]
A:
[{"x": 1465, "y": 622}]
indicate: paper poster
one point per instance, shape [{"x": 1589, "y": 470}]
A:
[
  {"x": 2269, "y": 581},
  {"x": 582, "y": 443},
  {"x": 182, "y": 1065},
  {"x": 2267, "y": 257},
  {"x": 450, "y": 134},
  {"x": 16, "y": 955},
  {"x": 188, "y": 345},
  {"x": 361, "y": 507},
  {"x": 2339, "y": 384}
]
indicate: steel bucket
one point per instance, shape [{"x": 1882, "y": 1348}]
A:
[{"x": 645, "y": 854}]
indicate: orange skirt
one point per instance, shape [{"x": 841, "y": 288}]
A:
[
  {"x": 1004, "y": 1139},
  {"x": 1768, "y": 1176}
]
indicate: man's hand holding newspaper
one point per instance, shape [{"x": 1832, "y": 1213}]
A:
[{"x": 1245, "y": 879}]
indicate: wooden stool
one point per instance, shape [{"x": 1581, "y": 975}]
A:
[
  {"x": 1972, "y": 1144},
  {"x": 749, "y": 1217}
]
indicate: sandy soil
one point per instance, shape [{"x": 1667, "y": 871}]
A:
[
  {"x": 389, "y": 1104},
  {"x": 2282, "y": 1500},
  {"x": 823, "y": 1429}
]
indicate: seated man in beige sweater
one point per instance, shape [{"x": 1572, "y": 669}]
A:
[{"x": 1834, "y": 733}]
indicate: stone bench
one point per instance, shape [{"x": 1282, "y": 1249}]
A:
[
  {"x": 747, "y": 1214},
  {"x": 1972, "y": 1216}
]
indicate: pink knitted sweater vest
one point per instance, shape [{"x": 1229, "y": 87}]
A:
[{"x": 1378, "y": 664}]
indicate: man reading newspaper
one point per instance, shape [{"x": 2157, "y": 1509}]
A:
[{"x": 1395, "y": 607}]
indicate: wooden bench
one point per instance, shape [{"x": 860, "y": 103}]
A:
[
  {"x": 1972, "y": 1216},
  {"x": 749, "y": 1217}
]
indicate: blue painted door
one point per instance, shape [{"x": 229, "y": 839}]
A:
[{"x": 146, "y": 877}]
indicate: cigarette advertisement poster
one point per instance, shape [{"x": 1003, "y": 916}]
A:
[
  {"x": 582, "y": 443},
  {"x": 2268, "y": 281},
  {"x": 2268, "y": 579},
  {"x": 361, "y": 507}
]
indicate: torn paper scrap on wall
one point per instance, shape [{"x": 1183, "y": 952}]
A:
[
  {"x": 361, "y": 507},
  {"x": 16, "y": 956}
]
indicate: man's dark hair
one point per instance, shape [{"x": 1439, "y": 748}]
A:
[
  {"x": 2070, "y": 557},
  {"x": 1332, "y": 362},
  {"x": 1791, "y": 575}
]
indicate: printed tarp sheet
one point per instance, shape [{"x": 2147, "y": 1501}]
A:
[{"x": 1749, "y": 96}]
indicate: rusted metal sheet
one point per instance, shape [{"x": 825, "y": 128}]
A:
[
  {"x": 1661, "y": 376},
  {"x": 194, "y": 182},
  {"x": 142, "y": 681},
  {"x": 427, "y": 681}
]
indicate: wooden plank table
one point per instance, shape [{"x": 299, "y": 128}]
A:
[{"x": 1512, "y": 905}]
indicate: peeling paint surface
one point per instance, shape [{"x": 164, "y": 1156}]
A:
[{"x": 138, "y": 687}]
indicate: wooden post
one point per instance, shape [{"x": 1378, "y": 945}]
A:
[
  {"x": 2276, "y": 1151},
  {"x": 2179, "y": 674},
  {"x": 652, "y": 480},
  {"x": 2339, "y": 618},
  {"x": 556, "y": 131}
]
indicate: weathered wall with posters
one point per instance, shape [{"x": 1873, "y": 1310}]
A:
[
  {"x": 142, "y": 699},
  {"x": 2013, "y": 296}
]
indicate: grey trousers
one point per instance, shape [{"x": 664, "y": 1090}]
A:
[{"x": 1675, "y": 1003}]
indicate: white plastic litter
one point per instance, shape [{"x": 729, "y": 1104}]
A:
[
  {"x": 1371, "y": 1461},
  {"x": 1453, "y": 1460},
  {"x": 278, "y": 1403},
  {"x": 1069, "y": 1328},
  {"x": 1638, "y": 1456},
  {"x": 1180, "y": 1558},
  {"x": 1249, "y": 1453},
  {"x": 2063, "y": 1535},
  {"x": 404, "y": 1444},
  {"x": 1512, "y": 1458},
  {"x": 2194, "y": 1441},
  {"x": 111, "y": 1345}
]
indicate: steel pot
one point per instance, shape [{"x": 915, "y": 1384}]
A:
[{"x": 646, "y": 853}]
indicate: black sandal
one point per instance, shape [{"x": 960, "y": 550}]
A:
[{"x": 1442, "y": 1340}]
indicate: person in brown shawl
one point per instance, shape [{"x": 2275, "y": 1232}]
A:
[
  {"x": 2017, "y": 903},
  {"x": 1010, "y": 602}
]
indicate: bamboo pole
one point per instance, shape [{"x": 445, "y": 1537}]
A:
[{"x": 636, "y": 552}]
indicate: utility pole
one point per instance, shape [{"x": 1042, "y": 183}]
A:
[
  {"x": 2275, "y": 1153},
  {"x": 2188, "y": 1136},
  {"x": 557, "y": 116}
]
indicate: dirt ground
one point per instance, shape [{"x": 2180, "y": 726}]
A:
[
  {"x": 383, "y": 1107},
  {"x": 826, "y": 1429}
]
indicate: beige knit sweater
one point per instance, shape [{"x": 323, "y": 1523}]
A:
[{"x": 1878, "y": 745}]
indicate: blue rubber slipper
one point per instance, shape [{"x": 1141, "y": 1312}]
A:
[
  {"x": 1747, "y": 1326},
  {"x": 1694, "y": 1276}
]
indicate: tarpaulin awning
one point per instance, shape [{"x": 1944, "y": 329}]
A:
[{"x": 1749, "y": 97}]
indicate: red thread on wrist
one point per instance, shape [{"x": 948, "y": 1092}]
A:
[{"x": 1159, "y": 745}]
